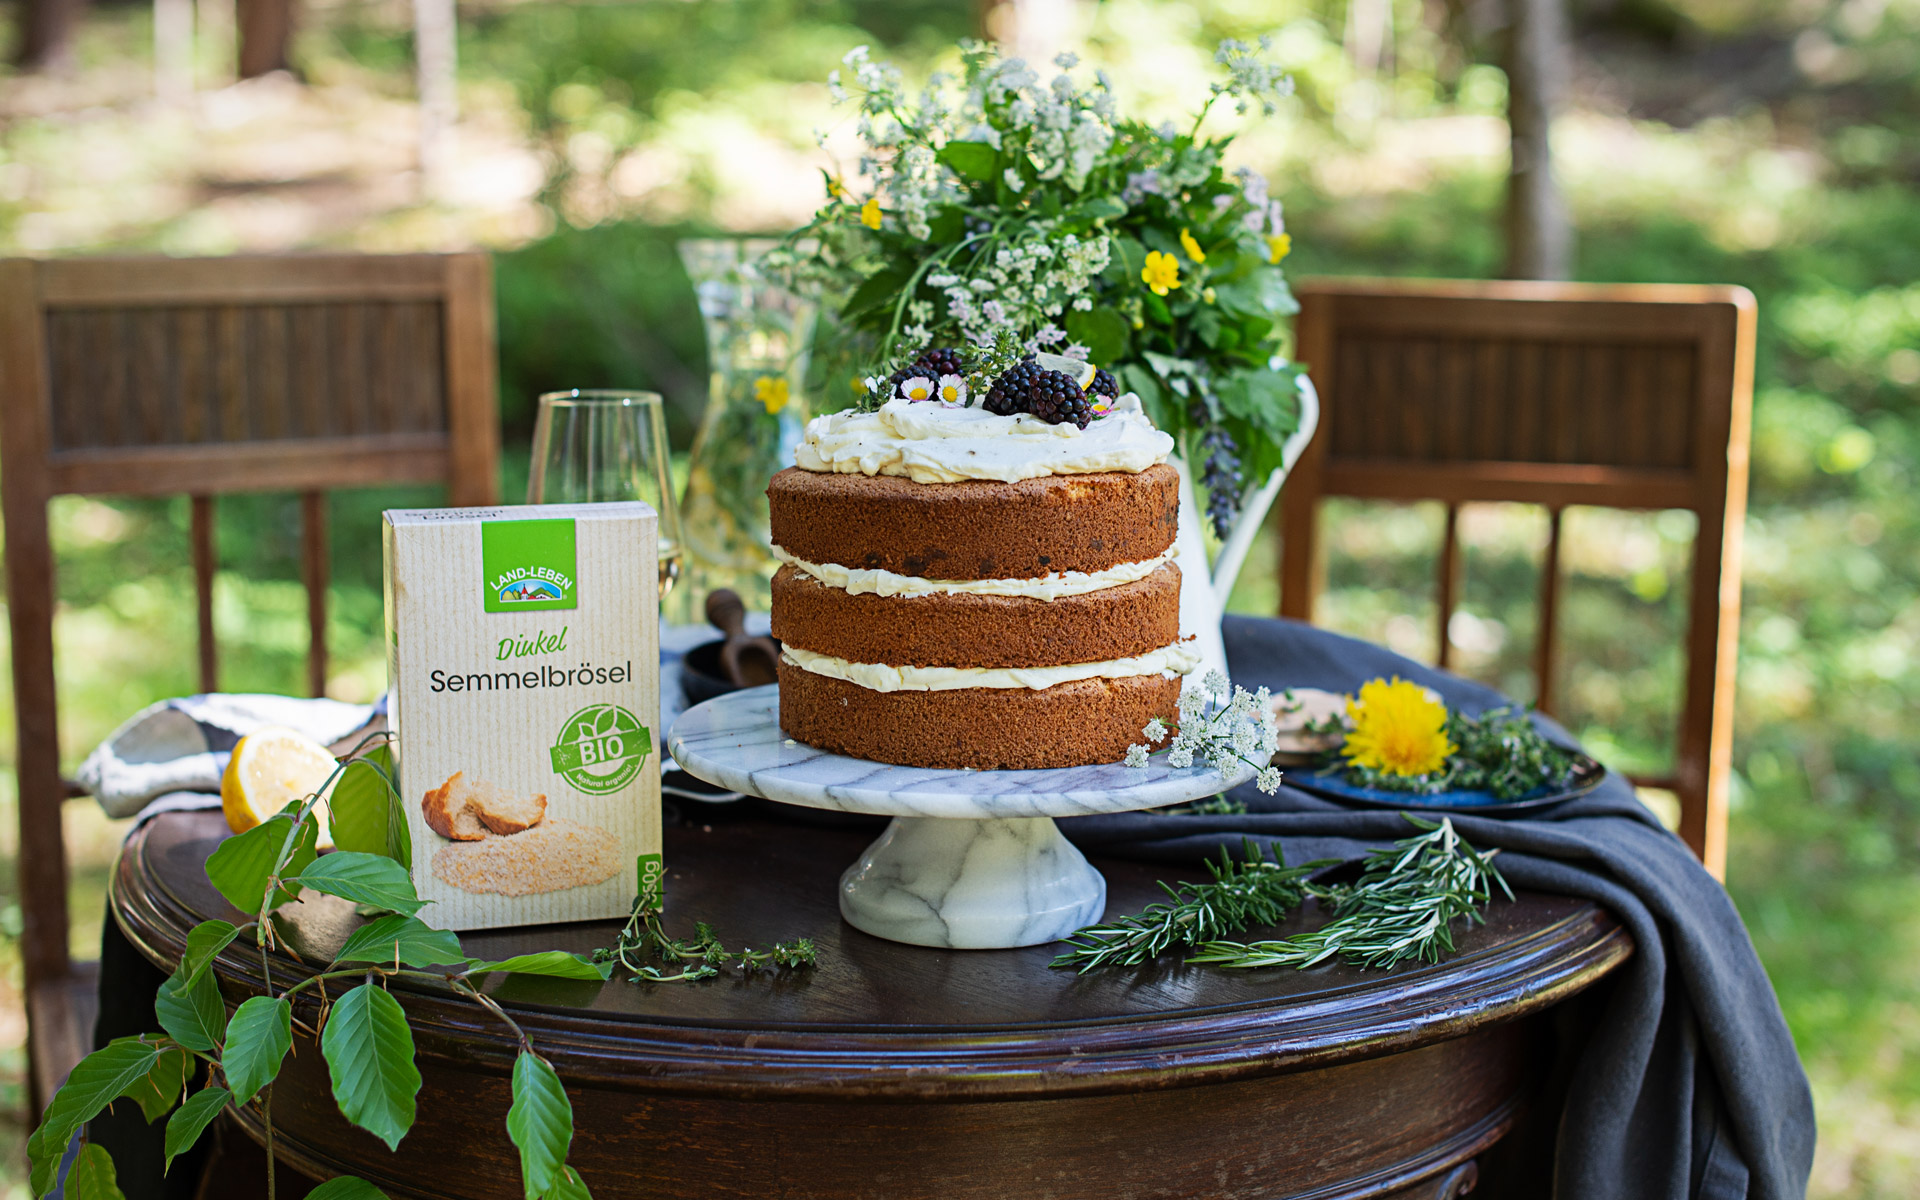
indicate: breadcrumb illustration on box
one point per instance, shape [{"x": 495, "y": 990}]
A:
[{"x": 505, "y": 844}]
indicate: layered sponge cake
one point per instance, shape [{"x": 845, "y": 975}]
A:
[{"x": 966, "y": 589}]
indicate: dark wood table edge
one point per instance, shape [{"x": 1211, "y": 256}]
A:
[{"x": 974, "y": 1063}]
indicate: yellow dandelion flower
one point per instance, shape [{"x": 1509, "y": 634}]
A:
[
  {"x": 1279, "y": 246},
  {"x": 870, "y": 213},
  {"x": 1162, "y": 272},
  {"x": 1397, "y": 728},
  {"x": 1192, "y": 247},
  {"x": 771, "y": 391}
]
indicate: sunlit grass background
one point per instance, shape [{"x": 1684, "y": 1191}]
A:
[{"x": 1771, "y": 144}]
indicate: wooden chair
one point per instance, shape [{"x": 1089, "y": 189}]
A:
[
  {"x": 151, "y": 376},
  {"x": 1553, "y": 394}
]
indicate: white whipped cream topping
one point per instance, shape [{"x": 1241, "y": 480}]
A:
[
  {"x": 1169, "y": 661},
  {"x": 935, "y": 443},
  {"x": 860, "y": 581}
]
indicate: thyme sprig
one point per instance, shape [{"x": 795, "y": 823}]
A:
[
  {"x": 700, "y": 957},
  {"x": 1402, "y": 908},
  {"x": 1257, "y": 890}
]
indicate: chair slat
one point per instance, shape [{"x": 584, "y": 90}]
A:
[
  {"x": 314, "y": 570},
  {"x": 1547, "y": 631},
  {"x": 204, "y": 565},
  {"x": 1449, "y": 589}
]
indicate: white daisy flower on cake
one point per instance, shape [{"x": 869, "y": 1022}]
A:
[
  {"x": 953, "y": 390},
  {"x": 917, "y": 388}
]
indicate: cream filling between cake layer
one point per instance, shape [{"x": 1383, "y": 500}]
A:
[
  {"x": 932, "y": 443},
  {"x": 1168, "y": 661},
  {"x": 861, "y": 581}
]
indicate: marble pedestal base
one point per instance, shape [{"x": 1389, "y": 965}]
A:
[{"x": 972, "y": 884}]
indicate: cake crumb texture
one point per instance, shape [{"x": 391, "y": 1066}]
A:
[
  {"x": 988, "y": 729},
  {"x": 978, "y": 529},
  {"x": 978, "y": 631}
]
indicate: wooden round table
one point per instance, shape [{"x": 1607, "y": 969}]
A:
[{"x": 891, "y": 1071}]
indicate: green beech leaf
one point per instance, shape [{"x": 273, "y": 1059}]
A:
[
  {"x": 1103, "y": 332},
  {"x": 92, "y": 1176},
  {"x": 547, "y": 962},
  {"x": 191, "y": 1011},
  {"x": 371, "y": 879},
  {"x": 258, "y": 1038},
  {"x": 569, "y": 1187},
  {"x": 971, "y": 160},
  {"x": 160, "y": 1089},
  {"x": 540, "y": 1123},
  {"x": 880, "y": 288},
  {"x": 97, "y": 1081},
  {"x": 204, "y": 943},
  {"x": 407, "y": 940},
  {"x": 346, "y": 1187},
  {"x": 369, "y": 1053},
  {"x": 241, "y": 865},
  {"x": 364, "y": 811},
  {"x": 185, "y": 1127}
]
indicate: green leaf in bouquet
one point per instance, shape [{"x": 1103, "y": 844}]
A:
[
  {"x": 1098, "y": 208},
  {"x": 1126, "y": 257},
  {"x": 241, "y": 865},
  {"x": 160, "y": 1089},
  {"x": 185, "y": 1127},
  {"x": 1156, "y": 309},
  {"x": 402, "y": 940},
  {"x": 204, "y": 942},
  {"x": 372, "y": 879},
  {"x": 973, "y": 161},
  {"x": 540, "y": 1123},
  {"x": 369, "y": 1053},
  {"x": 879, "y": 289},
  {"x": 258, "y": 1039},
  {"x": 1208, "y": 324},
  {"x": 1153, "y": 396},
  {"x": 1266, "y": 398},
  {"x": 556, "y": 963},
  {"x": 1103, "y": 332},
  {"x": 364, "y": 810},
  {"x": 95, "y": 1082},
  {"x": 92, "y": 1175},
  {"x": 191, "y": 1011},
  {"x": 570, "y": 1187},
  {"x": 346, "y": 1187}
]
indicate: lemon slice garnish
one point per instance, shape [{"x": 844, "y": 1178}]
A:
[
  {"x": 1080, "y": 372},
  {"x": 270, "y": 768}
]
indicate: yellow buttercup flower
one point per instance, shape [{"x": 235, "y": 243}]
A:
[
  {"x": 771, "y": 391},
  {"x": 1279, "y": 246},
  {"x": 1161, "y": 273},
  {"x": 1397, "y": 728},
  {"x": 835, "y": 189},
  {"x": 870, "y": 213},
  {"x": 1192, "y": 247}
]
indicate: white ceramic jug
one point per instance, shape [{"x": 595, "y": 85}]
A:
[{"x": 1204, "y": 588}]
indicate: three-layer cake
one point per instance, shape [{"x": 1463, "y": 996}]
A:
[{"x": 966, "y": 589}]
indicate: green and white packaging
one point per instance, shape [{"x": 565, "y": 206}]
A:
[{"x": 523, "y": 661}]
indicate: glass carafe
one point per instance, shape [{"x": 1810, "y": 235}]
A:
[{"x": 758, "y": 334}]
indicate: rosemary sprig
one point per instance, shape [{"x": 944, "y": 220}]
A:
[
  {"x": 700, "y": 957},
  {"x": 1255, "y": 891},
  {"x": 1402, "y": 908}
]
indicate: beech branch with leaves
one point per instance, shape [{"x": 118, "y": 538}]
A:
[{"x": 363, "y": 1032}]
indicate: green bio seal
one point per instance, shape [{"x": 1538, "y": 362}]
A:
[{"x": 601, "y": 748}]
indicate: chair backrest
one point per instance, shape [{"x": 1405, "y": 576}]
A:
[
  {"x": 154, "y": 376},
  {"x": 1627, "y": 396}
]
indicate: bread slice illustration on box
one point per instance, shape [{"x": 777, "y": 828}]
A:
[{"x": 504, "y": 844}]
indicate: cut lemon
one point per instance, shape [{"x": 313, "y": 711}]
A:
[
  {"x": 1080, "y": 372},
  {"x": 270, "y": 768}
]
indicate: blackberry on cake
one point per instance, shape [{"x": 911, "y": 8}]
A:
[
  {"x": 930, "y": 364},
  {"x": 1104, "y": 384},
  {"x": 1009, "y": 393},
  {"x": 1055, "y": 398}
]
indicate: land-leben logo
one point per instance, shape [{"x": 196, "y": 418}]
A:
[{"x": 529, "y": 565}]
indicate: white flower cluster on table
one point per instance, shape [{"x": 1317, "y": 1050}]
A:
[{"x": 1219, "y": 731}]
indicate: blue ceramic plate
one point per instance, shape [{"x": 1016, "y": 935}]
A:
[{"x": 1331, "y": 782}]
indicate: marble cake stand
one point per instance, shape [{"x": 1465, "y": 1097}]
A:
[{"x": 972, "y": 860}]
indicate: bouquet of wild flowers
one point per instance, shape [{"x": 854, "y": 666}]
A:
[{"x": 998, "y": 207}]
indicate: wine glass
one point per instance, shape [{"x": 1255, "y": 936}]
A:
[{"x": 592, "y": 446}]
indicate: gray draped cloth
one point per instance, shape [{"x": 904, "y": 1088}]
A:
[{"x": 1689, "y": 1085}]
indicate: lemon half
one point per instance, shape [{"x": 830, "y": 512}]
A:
[
  {"x": 1080, "y": 372},
  {"x": 270, "y": 768}
]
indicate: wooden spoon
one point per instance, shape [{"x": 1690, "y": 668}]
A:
[{"x": 748, "y": 661}]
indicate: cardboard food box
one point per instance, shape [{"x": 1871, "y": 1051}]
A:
[{"x": 523, "y": 657}]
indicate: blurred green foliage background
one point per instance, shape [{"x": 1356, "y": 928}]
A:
[{"x": 1770, "y": 143}]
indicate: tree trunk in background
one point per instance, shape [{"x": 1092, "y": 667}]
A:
[
  {"x": 436, "y": 46},
  {"x": 1539, "y": 235},
  {"x": 46, "y": 34},
  {"x": 172, "y": 50},
  {"x": 266, "y": 28}
]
